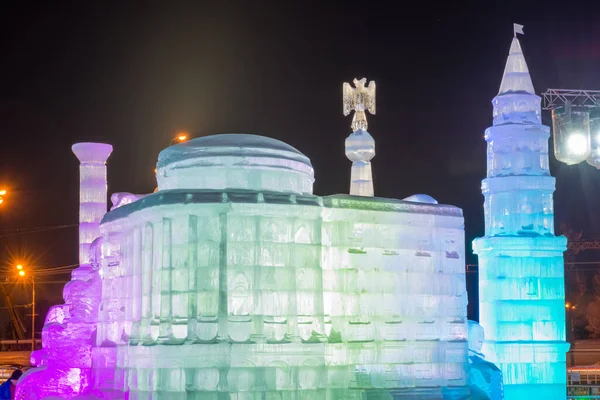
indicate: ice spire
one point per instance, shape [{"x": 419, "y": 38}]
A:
[
  {"x": 516, "y": 76},
  {"x": 516, "y": 102}
]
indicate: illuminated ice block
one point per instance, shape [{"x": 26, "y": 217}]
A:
[
  {"x": 92, "y": 192},
  {"x": 484, "y": 378},
  {"x": 521, "y": 270},
  {"x": 65, "y": 361}
]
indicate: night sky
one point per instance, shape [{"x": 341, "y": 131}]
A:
[{"x": 133, "y": 74}]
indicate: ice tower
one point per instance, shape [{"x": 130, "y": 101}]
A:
[{"x": 521, "y": 270}]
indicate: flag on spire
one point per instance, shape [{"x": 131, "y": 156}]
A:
[{"x": 517, "y": 29}]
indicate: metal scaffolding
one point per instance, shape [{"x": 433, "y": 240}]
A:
[{"x": 553, "y": 98}]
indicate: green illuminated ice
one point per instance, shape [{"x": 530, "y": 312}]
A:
[{"x": 234, "y": 280}]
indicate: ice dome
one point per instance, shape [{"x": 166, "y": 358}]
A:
[
  {"x": 235, "y": 161},
  {"x": 421, "y": 198}
]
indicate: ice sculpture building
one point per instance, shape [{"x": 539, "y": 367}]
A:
[
  {"x": 233, "y": 279},
  {"x": 521, "y": 270}
]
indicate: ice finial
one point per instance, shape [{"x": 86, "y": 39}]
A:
[
  {"x": 516, "y": 76},
  {"x": 360, "y": 146},
  {"x": 359, "y": 99}
]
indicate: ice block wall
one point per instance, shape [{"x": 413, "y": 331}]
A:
[
  {"x": 521, "y": 270},
  {"x": 92, "y": 192},
  {"x": 214, "y": 281},
  {"x": 395, "y": 295},
  {"x": 285, "y": 294}
]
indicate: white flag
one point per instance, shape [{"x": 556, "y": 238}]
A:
[{"x": 518, "y": 29}]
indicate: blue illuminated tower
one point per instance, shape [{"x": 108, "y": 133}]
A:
[{"x": 521, "y": 269}]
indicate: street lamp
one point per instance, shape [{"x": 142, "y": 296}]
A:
[
  {"x": 570, "y": 333},
  {"x": 22, "y": 274},
  {"x": 180, "y": 138}
]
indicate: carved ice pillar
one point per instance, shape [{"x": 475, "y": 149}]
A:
[
  {"x": 360, "y": 149},
  {"x": 92, "y": 192}
]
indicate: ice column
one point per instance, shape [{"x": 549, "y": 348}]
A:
[
  {"x": 360, "y": 149},
  {"x": 521, "y": 270},
  {"x": 92, "y": 192}
]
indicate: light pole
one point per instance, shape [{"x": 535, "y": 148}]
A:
[
  {"x": 22, "y": 273},
  {"x": 570, "y": 333}
]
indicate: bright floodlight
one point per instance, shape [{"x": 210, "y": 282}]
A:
[
  {"x": 594, "y": 158},
  {"x": 19, "y": 266},
  {"x": 577, "y": 144},
  {"x": 2, "y": 192},
  {"x": 571, "y": 131},
  {"x": 22, "y": 273}
]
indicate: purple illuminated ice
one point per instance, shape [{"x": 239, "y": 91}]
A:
[{"x": 65, "y": 361}]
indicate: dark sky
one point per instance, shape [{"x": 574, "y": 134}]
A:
[{"x": 135, "y": 73}]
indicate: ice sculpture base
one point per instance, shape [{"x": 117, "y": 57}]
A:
[
  {"x": 541, "y": 391},
  {"x": 521, "y": 281}
]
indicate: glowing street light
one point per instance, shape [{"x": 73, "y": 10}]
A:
[
  {"x": 180, "y": 138},
  {"x": 22, "y": 273},
  {"x": 3, "y": 192}
]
